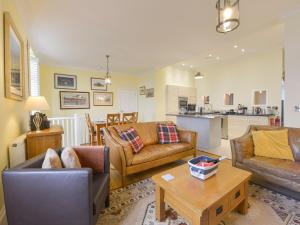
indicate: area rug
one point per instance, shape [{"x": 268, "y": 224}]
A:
[{"x": 135, "y": 205}]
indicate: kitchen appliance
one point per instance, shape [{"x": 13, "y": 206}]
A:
[
  {"x": 191, "y": 107},
  {"x": 182, "y": 103},
  {"x": 224, "y": 127}
]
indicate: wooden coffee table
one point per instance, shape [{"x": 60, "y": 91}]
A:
[{"x": 203, "y": 202}]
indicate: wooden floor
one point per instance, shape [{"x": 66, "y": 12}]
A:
[{"x": 115, "y": 181}]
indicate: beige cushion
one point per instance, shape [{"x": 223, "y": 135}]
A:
[
  {"x": 52, "y": 160},
  {"x": 70, "y": 159}
]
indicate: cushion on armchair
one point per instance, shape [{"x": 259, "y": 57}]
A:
[
  {"x": 272, "y": 144},
  {"x": 69, "y": 158}
]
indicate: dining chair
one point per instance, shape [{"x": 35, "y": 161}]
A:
[
  {"x": 129, "y": 117},
  {"x": 113, "y": 119},
  {"x": 91, "y": 128}
]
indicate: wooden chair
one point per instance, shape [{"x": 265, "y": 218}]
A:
[
  {"x": 91, "y": 128},
  {"x": 130, "y": 117},
  {"x": 113, "y": 119}
]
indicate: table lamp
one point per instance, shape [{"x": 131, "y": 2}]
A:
[{"x": 36, "y": 103}]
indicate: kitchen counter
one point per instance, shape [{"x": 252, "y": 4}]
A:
[
  {"x": 208, "y": 128},
  {"x": 204, "y": 116}
]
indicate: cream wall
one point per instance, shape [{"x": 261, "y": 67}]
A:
[
  {"x": 119, "y": 82},
  {"x": 292, "y": 70},
  {"x": 154, "y": 109},
  {"x": 13, "y": 119},
  {"x": 242, "y": 76}
]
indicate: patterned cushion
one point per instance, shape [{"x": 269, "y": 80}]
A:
[
  {"x": 167, "y": 134},
  {"x": 120, "y": 133},
  {"x": 134, "y": 139}
]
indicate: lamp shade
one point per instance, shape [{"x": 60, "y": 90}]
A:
[{"x": 36, "y": 103}]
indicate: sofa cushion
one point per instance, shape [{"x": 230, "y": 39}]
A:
[
  {"x": 167, "y": 133},
  {"x": 157, "y": 151},
  {"x": 278, "y": 167},
  {"x": 134, "y": 139},
  {"x": 69, "y": 158},
  {"x": 272, "y": 144},
  {"x": 147, "y": 131},
  {"x": 52, "y": 160}
]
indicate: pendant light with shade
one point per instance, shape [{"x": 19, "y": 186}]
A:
[
  {"x": 199, "y": 76},
  {"x": 107, "y": 80},
  {"x": 228, "y": 15}
]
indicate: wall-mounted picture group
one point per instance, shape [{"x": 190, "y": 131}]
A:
[{"x": 80, "y": 99}]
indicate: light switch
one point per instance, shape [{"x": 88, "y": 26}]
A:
[{"x": 297, "y": 108}]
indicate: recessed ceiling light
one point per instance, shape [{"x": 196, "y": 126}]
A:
[
  {"x": 210, "y": 55},
  {"x": 217, "y": 58},
  {"x": 235, "y": 46},
  {"x": 243, "y": 50},
  {"x": 191, "y": 66},
  {"x": 183, "y": 64}
]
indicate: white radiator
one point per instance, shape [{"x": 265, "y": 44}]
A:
[{"x": 17, "y": 151}]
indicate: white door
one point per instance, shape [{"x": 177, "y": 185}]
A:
[{"x": 128, "y": 101}]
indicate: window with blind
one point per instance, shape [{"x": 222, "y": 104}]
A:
[{"x": 34, "y": 70}]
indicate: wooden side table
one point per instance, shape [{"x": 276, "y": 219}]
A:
[{"x": 39, "y": 142}]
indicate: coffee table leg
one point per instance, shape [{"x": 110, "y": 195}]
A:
[
  {"x": 243, "y": 207},
  {"x": 160, "y": 204}
]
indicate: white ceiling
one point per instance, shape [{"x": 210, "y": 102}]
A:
[{"x": 144, "y": 34}]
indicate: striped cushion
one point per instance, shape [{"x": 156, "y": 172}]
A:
[
  {"x": 120, "y": 133},
  {"x": 167, "y": 134},
  {"x": 134, "y": 139}
]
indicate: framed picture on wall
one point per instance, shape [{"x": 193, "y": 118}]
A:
[
  {"x": 150, "y": 93},
  {"x": 74, "y": 100},
  {"x": 103, "y": 98},
  {"x": 143, "y": 90},
  {"x": 13, "y": 60},
  {"x": 64, "y": 81},
  {"x": 98, "y": 84}
]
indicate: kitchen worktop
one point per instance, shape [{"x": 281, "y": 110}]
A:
[
  {"x": 215, "y": 115},
  {"x": 204, "y": 116}
]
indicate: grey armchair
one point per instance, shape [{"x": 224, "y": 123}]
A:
[{"x": 35, "y": 196}]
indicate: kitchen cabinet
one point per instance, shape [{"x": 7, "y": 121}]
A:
[
  {"x": 172, "y": 94},
  {"x": 238, "y": 125}
]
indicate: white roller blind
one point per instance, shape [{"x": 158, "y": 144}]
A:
[{"x": 34, "y": 75}]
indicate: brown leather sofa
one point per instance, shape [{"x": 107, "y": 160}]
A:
[
  {"x": 35, "y": 196},
  {"x": 152, "y": 155},
  {"x": 280, "y": 175}
]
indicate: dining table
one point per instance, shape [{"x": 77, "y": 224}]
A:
[{"x": 98, "y": 125}]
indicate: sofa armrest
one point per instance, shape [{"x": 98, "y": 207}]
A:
[
  {"x": 188, "y": 136},
  {"x": 95, "y": 157},
  {"x": 117, "y": 155},
  {"x": 242, "y": 148},
  {"x": 36, "y": 195}
]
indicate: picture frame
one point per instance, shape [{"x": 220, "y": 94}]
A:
[
  {"x": 103, "y": 98},
  {"x": 74, "y": 100},
  {"x": 65, "y": 81},
  {"x": 150, "y": 93},
  {"x": 142, "y": 90},
  {"x": 98, "y": 84},
  {"x": 14, "y": 73}
]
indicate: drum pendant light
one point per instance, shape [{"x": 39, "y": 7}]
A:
[{"x": 228, "y": 15}]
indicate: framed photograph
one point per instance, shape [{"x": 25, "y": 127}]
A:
[
  {"x": 13, "y": 61},
  {"x": 142, "y": 90},
  {"x": 74, "y": 100},
  {"x": 150, "y": 93},
  {"x": 64, "y": 81},
  {"x": 98, "y": 84},
  {"x": 103, "y": 98}
]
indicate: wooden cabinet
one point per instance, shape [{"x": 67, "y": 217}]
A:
[{"x": 39, "y": 142}]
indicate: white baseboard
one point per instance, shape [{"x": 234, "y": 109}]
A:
[{"x": 3, "y": 220}]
